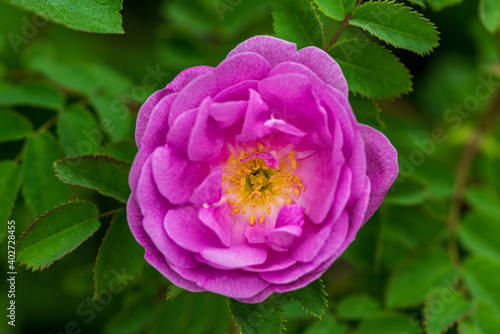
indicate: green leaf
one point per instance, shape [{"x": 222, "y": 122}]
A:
[
  {"x": 412, "y": 282},
  {"x": 261, "y": 318},
  {"x": 438, "y": 5},
  {"x": 124, "y": 150},
  {"x": 489, "y": 12},
  {"x": 481, "y": 275},
  {"x": 391, "y": 323},
  {"x": 312, "y": 298},
  {"x": 396, "y": 24},
  {"x": 367, "y": 111},
  {"x": 336, "y": 9},
  {"x": 120, "y": 254},
  {"x": 407, "y": 191},
  {"x": 466, "y": 327},
  {"x": 13, "y": 126},
  {"x": 104, "y": 174},
  {"x": 486, "y": 318},
  {"x": 114, "y": 115},
  {"x": 479, "y": 233},
  {"x": 327, "y": 325},
  {"x": 38, "y": 174},
  {"x": 33, "y": 95},
  {"x": 87, "y": 15},
  {"x": 358, "y": 307},
  {"x": 444, "y": 308},
  {"x": 370, "y": 69},
  {"x": 9, "y": 186},
  {"x": 57, "y": 233},
  {"x": 173, "y": 292},
  {"x": 296, "y": 21},
  {"x": 485, "y": 199},
  {"x": 79, "y": 131}
]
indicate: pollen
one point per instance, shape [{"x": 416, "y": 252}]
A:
[{"x": 255, "y": 189}]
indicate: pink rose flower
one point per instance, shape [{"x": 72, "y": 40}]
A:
[{"x": 254, "y": 176}]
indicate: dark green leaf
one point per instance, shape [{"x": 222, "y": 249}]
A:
[
  {"x": 392, "y": 323},
  {"x": 466, "y": 327},
  {"x": 104, "y": 174},
  {"x": 136, "y": 311},
  {"x": 370, "y": 69},
  {"x": 13, "y": 126},
  {"x": 33, "y": 95},
  {"x": 327, "y": 325},
  {"x": 9, "y": 186},
  {"x": 412, "y": 282},
  {"x": 358, "y": 307},
  {"x": 261, "y": 318},
  {"x": 174, "y": 291},
  {"x": 489, "y": 12},
  {"x": 86, "y": 15},
  {"x": 366, "y": 111},
  {"x": 396, "y": 24},
  {"x": 481, "y": 275},
  {"x": 442, "y": 4},
  {"x": 485, "y": 318},
  {"x": 312, "y": 298},
  {"x": 38, "y": 174},
  {"x": 336, "y": 9},
  {"x": 120, "y": 254},
  {"x": 296, "y": 21},
  {"x": 57, "y": 233},
  {"x": 114, "y": 115},
  {"x": 407, "y": 191},
  {"x": 124, "y": 150},
  {"x": 79, "y": 131},
  {"x": 444, "y": 308},
  {"x": 479, "y": 233}
]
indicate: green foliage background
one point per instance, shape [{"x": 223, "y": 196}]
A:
[{"x": 427, "y": 262}]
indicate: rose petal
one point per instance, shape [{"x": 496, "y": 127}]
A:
[
  {"x": 175, "y": 176},
  {"x": 235, "y": 257},
  {"x": 382, "y": 162},
  {"x": 218, "y": 219},
  {"x": 255, "y": 117},
  {"x": 209, "y": 191},
  {"x": 228, "y": 113},
  {"x": 178, "y": 135}
]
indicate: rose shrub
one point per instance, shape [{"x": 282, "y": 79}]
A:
[{"x": 254, "y": 176}]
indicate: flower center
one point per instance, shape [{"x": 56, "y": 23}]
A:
[{"x": 255, "y": 188}]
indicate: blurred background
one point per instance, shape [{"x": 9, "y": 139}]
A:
[{"x": 48, "y": 72}]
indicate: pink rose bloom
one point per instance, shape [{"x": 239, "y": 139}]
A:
[{"x": 254, "y": 176}]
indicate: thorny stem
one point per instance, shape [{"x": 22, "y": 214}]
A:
[{"x": 462, "y": 176}]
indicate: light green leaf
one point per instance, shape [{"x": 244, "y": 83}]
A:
[
  {"x": 444, "y": 308},
  {"x": 173, "y": 291},
  {"x": 13, "y": 126},
  {"x": 296, "y": 21},
  {"x": 489, "y": 12},
  {"x": 33, "y": 95},
  {"x": 104, "y": 174},
  {"x": 312, "y": 298},
  {"x": 467, "y": 327},
  {"x": 336, "y": 9},
  {"x": 412, "y": 282},
  {"x": 39, "y": 178},
  {"x": 327, "y": 325},
  {"x": 479, "y": 233},
  {"x": 261, "y": 318},
  {"x": 79, "y": 131},
  {"x": 9, "y": 186},
  {"x": 481, "y": 275},
  {"x": 87, "y": 15},
  {"x": 370, "y": 69},
  {"x": 391, "y": 323},
  {"x": 120, "y": 254},
  {"x": 114, "y": 115},
  {"x": 57, "y": 233},
  {"x": 124, "y": 150},
  {"x": 396, "y": 24},
  {"x": 358, "y": 307}
]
